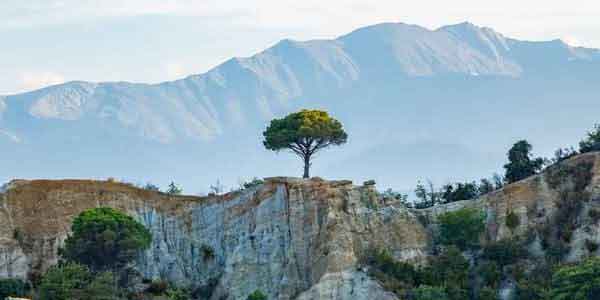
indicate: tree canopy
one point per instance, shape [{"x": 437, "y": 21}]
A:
[
  {"x": 520, "y": 162},
  {"x": 105, "y": 239},
  {"x": 592, "y": 141},
  {"x": 304, "y": 133}
]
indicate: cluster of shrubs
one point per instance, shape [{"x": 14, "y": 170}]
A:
[
  {"x": 428, "y": 195},
  {"x": 446, "y": 276},
  {"x": 521, "y": 164},
  {"x": 465, "y": 268}
]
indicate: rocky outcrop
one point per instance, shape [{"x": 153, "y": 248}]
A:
[
  {"x": 287, "y": 237},
  {"x": 535, "y": 201},
  {"x": 290, "y": 238}
]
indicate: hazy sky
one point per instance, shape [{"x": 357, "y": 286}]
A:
[{"x": 51, "y": 41}]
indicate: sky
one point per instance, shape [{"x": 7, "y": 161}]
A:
[{"x": 47, "y": 42}]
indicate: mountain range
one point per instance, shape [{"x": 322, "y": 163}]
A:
[{"x": 442, "y": 104}]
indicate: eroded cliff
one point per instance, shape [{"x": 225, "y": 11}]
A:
[
  {"x": 290, "y": 238},
  {"x": 282, "y": 237}
]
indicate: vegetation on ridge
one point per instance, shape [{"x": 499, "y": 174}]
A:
[{"x": 304, "y": 133}]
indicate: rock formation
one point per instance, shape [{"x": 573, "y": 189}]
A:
[
  {"x": 283, "y": 237},
  {"x": 290, "y": 238}
]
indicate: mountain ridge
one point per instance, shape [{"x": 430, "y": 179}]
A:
[
  {"x": 410, "y": 85},
  {"x": 445, "y": 28}
]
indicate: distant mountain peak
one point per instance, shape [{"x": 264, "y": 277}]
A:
[{"x": 410, "y": 97}]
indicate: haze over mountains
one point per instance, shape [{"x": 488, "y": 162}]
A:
[{"x": 417, "y": 103}]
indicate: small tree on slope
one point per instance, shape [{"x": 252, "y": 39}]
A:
[{"x": 520, "y": 162}]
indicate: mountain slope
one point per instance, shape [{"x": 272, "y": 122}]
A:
[{"x": 407, "y": 84}]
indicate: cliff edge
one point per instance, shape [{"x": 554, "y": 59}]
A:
[{"x": 291, "y": 238}]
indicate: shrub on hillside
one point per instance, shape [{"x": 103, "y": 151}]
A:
[
  {"x": 73, "y": 281},
  {"x": 490, "y": 274},
  {"x": 460, "y": 191},
  {"x": 174, "y": 189},
  {"x": 14, "y": 288},
  {"x": 449, "y": 269},
  {"x": 592, "y": 141},
  {"x": 251, "y": 184},
  {"x": 534, "y": 284},
  {"x": 487, "y": 293},
  {"x": 461, "y": 228},
  {"x": 504, "y": 252},
  {"x": 178, "y": 294},
  {"x": 570, "y": 181},
  {"x": 257, "y": 295},
  {"x": 577, "y": 282},
  {"x": 426, "y": 292},
  {"x": 105, "y": 239},
  {"x": 394, "y": 275},
  {"x": 512, "y": 221}
]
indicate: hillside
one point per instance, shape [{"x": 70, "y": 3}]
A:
[
  {"x": 291, "y": 238},
  {"x": 396, "y": 87}
]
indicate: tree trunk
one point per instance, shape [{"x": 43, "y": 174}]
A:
[{"x": 306, "y": 166}]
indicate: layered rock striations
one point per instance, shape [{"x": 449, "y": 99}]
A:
[{"x": 285, "y": 237}]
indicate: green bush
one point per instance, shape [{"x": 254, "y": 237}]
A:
[
  {"x": 577, "y": 282},
  {"x": 73, "y": 281},
  {"x": 174, "y": 189},
  {"x": 592, "y": 141},
  {"x": 504, "y": 252},
  {"x": 512, "y": 221},
  {"x": 103, "y": 286},
  {"x": 257, "y": 295},
  {"x": 426, "y": 292},
  {"x": 462, "y": 228},
  {"x": 178, "y": 294},
  {"x": 208, "y": 252},
  {"x": 105, "y": 239},
  {"x": 382, "y": 261},
  {"x": 14, "y": 288},
  {"x": 61, "y": 282},
  {"x": 252, "y": 183},
  {"x": 460, "y": 191},
  {"x": 535, "y": 284},
  {"x": 450, "y": 269},
  {"x": 490, "y": 274},
  {"x": 487, "y": 293}
]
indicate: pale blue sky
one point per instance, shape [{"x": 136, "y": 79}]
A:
[{"x": 51, "y": 41}]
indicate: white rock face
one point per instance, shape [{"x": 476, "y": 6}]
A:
[
  {"x": 284, "y": 238},
  {"x": 346, "y": 285}
]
